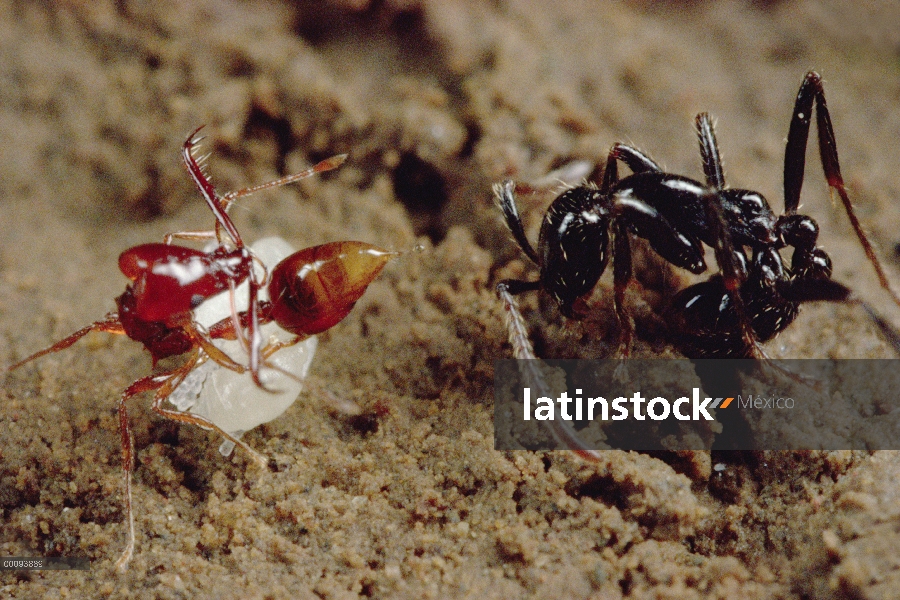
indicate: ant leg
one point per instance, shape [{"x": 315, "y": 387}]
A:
[
  {"x": 515, "y": 324},
  {"x": 636, "y": 160},
  {"x": 828, "y": 290},
  {"x": 643, "y": 218},
  {"x": 254, "y": 332},
  {"x": 275, "y": 345},
  {"x": 890, "y": 333},
  {"x": 516, "y": 287},
  {"x": 709, "y": 151},
  {"x": 324, "y": 165},
  {"x": 621, "y": 260},
  {"x": 167, "y": 386},
  {"x": 110, "y": 324},
  {"x": 561, "y": 430},
  {"x": 621, "y": 277},
  {"x": 504, "y": 194},
  {"x": 195, "y": 170},
  {"x": 731, "y": 260},
  {"x": 200, "y": 236},
  {"x": 144, "y": 384},
  {"x": 795, "y": 161}
]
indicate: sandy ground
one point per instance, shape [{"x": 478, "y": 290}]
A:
[{"x": 434, "y": 101}]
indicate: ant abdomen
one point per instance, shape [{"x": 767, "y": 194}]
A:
[{"x": 314, "y": 289}]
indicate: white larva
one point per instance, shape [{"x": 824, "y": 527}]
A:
[{"x": 231, "y": 400}]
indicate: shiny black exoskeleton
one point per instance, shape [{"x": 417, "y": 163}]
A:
[{"x": 755, "y": 295}]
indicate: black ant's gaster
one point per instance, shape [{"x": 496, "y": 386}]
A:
[
  {"x": 753, "y": 297},
  {"x": 310, "y": 291}
]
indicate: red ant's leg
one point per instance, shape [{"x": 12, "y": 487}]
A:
[
  {"x": 325, "y": 165},
  {"x": 212, "y": 350},
  {"x": 195, "y": 169},
  {"x": 226, "y": 330},
  {"x": 164, "y": 385},
  {"x": 110, "y": 324},
  {"x": 145, "y": 384},
  {"x": 199, "y": 236},
  {"x": 219, "y": 205},
  {"x": 173, "y": 415},
  {"x": 255, "y": 334}
]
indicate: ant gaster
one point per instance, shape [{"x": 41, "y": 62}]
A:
[
  {"x": 311, "y": 291},
  {"x": 749, "y": 301}
]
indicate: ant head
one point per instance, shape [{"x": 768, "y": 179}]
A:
[
  {"x": 797, "y": 231},
  {"x": 750, "y": 219}
]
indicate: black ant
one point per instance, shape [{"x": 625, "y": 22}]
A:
[
  {"x": 749, "y": 301},
  {"x": 310, "y": 291}
]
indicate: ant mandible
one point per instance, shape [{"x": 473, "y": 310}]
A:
[
  {"x": 169, "y": 281},
  {"x": 749, "y": 301}
]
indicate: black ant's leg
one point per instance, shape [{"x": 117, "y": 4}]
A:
[
  {"x": 515, "y": 323},
  {"x": 828, "y": 290},
  {"x": 647, "y": 222},
  {"x": 621, "y": 277},
  {"x": 731, "y": 260},
  {"x": 506, "y": 200},
  {"x": 636, "y": 160},
  {"x": 814, "y": 290},
  {"x": 887, "y": 330},
  {"x": 530, "y": 370},
  {"x": 709, "y": 151},
  {"x": 516, "y": 287},
  {"x": 795, "y": 161}
]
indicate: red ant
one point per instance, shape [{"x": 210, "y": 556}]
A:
[{"x": 311, "y": 291}]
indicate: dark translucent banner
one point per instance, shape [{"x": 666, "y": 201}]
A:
[
  {"x": 651, "y": 405},
  {"x": 45, "y": 563}
]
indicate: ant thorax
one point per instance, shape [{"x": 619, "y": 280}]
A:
[{"x": 231, "y": 400}]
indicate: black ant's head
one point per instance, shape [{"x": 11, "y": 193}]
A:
[
  {"x": 750, "y": 219},
  {"x": 798, "y": 231}
]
